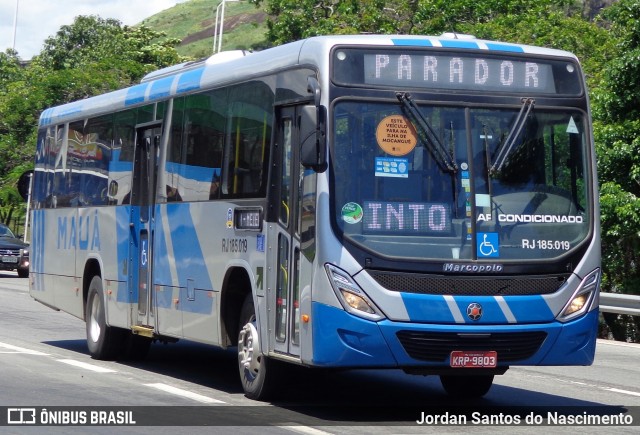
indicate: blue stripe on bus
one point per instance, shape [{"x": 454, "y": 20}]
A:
[
  {"x": 530, "y": 309},
  {"x": 136, "y": 94},
  {"x": 491, "y": 311},
  {"x": 190, "y": 80},
  {"x": 504, "y": 47},
  {"x": 45, "y": 118},
  {"x": 161, "y": 88},
  {"x": 123, "y": 232},
  {"x": 459, "y": 43},
  {"x": 412, "y": 42},
  {"x": 187, "y": 255},
  {"x": 430, "y": 308},
  {"x": 37, "y": 240},
  {"x": 434, "y": 309}
]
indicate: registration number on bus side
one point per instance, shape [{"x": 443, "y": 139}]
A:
[{"x": 474, "y": 359}]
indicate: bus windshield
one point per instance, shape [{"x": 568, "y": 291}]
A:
[{"x": 511, "y": 184}]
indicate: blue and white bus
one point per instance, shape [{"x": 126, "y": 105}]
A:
[{"x": 419, "y": 203}]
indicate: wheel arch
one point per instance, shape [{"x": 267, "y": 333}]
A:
[
  {"x": 237, "y": 284},
  {"x": 91, "y": 268}
]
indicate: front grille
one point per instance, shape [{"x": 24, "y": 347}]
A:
[
  {"x": 437, "y": 346},
  {"x": 468, "y": 286},
  {"x": 11, "y": 252}
]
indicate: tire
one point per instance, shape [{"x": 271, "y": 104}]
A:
[
  {"x": 472, "y": 386},
  {"x": 23, "y": 273},
  {"x": 104, "y": 342},
  {"x": 258, "y": 373}
]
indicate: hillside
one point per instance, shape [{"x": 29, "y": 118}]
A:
[{"x": 193, "y": 22}]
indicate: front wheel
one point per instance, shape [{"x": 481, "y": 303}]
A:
[
  {"x": 471, "y": 386},
  {"x": 104, "y": 342},
  {"x": 258, "y": 373}
]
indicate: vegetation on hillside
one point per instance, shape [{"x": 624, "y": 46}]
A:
[{"x": 194, "y": 23}]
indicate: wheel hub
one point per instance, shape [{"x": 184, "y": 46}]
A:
[
  {"x": 249, "y": 352},
  {"x": 94, "y": 325}
]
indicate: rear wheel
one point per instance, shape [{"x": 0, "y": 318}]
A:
[
  {"x": 466, "y": 386},
  {"x": 104, "y": 342},
  {"x": 257, "y": 372}
]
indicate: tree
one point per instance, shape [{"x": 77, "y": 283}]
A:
[
  {"x": 10, "y": 68},
  {"x": 107, "y": 45},
  {"x": 617, "y": 131},
  {"x": 551, "y": 26},
  {"x": 89, "y": 57},
  {"x": 295, "y": 19}
]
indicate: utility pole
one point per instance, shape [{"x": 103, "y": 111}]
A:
[
  {"x": 15, "y": 25},
  {"x": 217, "y": 32}
]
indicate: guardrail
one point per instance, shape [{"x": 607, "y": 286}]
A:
[{"x": 620, "y": 303}]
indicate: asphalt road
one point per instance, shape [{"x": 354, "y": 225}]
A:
[{"x": 45, "y": 364}]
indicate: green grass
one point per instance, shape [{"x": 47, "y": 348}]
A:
[{"x": 193, "y": 22}]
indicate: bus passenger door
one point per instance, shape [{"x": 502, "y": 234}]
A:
[
  {"x": 141, "y": 226},
  {"x": 283, "y": 302}
]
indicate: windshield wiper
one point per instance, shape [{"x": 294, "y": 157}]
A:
[
  {"x": 505, "y": 148},
  {"x": 426, "y": 133}
]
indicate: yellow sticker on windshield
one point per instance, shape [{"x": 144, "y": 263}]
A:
[{"x": 396, "y": 135}]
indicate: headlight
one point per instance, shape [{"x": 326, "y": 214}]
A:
[
  {"x": 582, "y": 298},
  {"x": 25, "y": 252},
  {"x": 351, "y": 296}
]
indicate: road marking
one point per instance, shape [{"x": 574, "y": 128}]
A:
[
  {"x": 589, "y": 385},
  {"x": 616, "y": 390},
  {"x": 184, "y": 393},
  {"x": 86, "y": 366},
  {"x": 305, "y": 430},
  {"x": 17, "y": 349},
  {"x": 617, "y": 343}
]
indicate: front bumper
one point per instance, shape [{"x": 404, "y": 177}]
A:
[
  {"x": 23, "y": 263},
  {"x": 344, "y": 340}
]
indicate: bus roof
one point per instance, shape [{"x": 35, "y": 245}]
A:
[{"x": 229, "y": 67}]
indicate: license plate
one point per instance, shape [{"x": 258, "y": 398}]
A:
[
  {"x": 9, "y": 259},
  {"x": 474, "y": 359}
]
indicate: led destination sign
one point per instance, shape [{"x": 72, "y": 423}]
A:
[
  {"x": 458, "y": 72},
  {"x": 414, "y": 218},
  {"x": 462, "y": 70}
]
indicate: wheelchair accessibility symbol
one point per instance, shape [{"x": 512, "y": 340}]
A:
[
  {"x": 143, "y": 254},
  {"x": 488, "y": 245}
]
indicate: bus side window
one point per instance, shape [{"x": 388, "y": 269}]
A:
[
  {"x": 47, "y": 157},
  {"x": 198, "y": 156},
  {"x": 247, "y": 140},
  {"x": 98, "y": 135},
  {"x": 174, "y": 153}
]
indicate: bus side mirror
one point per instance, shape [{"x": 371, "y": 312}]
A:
[
  {"x": 313, "y": 131},
  {"x": 24, "y": 184}
]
